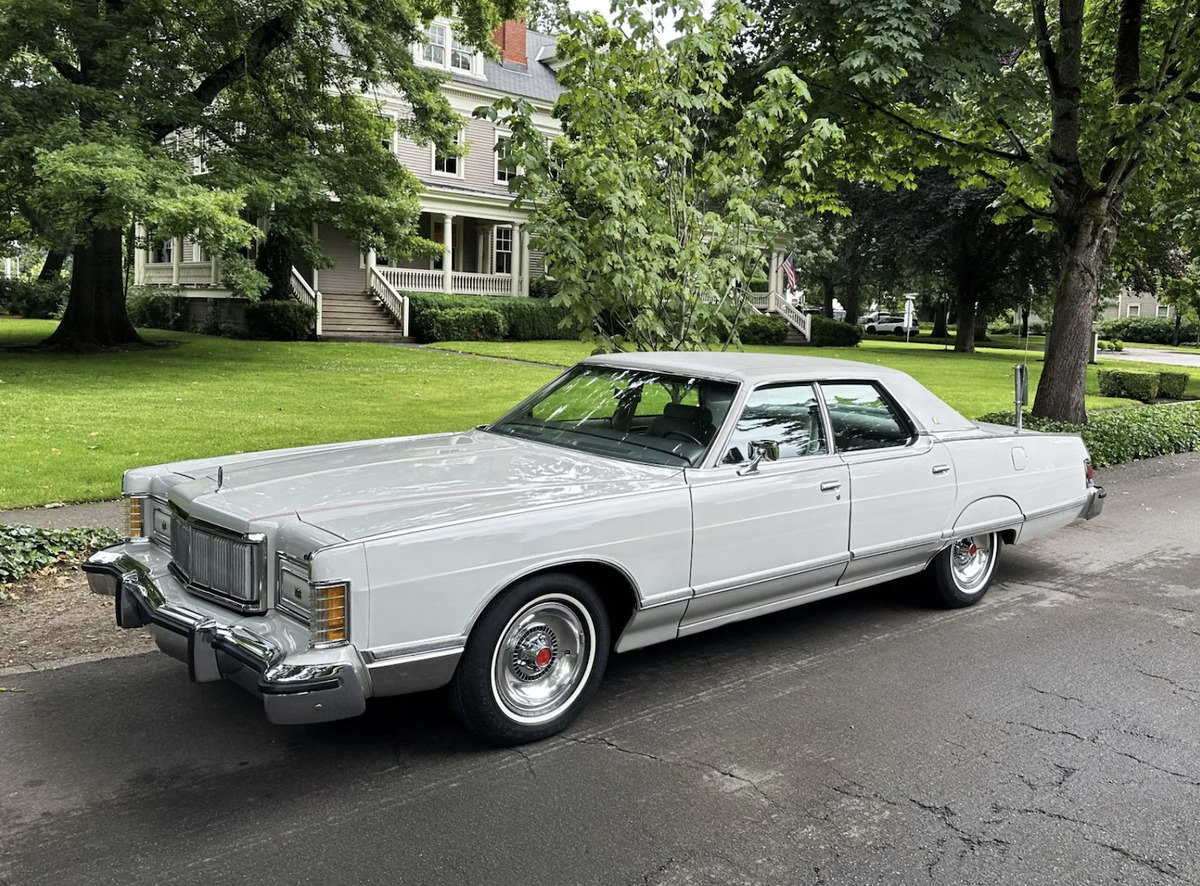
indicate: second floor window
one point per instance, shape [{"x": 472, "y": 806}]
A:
[
  {"x": 505, "y": 169},
  {"x": 441, "y": 49}
]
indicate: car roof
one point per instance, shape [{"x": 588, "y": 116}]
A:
[{"x": 924, "y": 407}]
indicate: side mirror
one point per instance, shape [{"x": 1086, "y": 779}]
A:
[{"x": 760, "y": 449}]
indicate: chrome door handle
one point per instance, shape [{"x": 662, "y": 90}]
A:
[
  {"x": 941, "y": 469},
  {"x": 830, "y": 485}
]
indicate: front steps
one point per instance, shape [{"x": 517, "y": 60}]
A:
[{"x": 357, "y": 316}]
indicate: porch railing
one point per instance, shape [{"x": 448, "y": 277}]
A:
[
  {"x": 396, "y": 304},
  {"x": 190, "y": 273},
  {"x": 410, "y": 279},
  {"x": 483, "y": 284},
  {"x": 797, "y": 319},
  {"x": 306, "y": 294}
]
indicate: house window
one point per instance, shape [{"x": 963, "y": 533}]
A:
[
  {"x": 433, "y": 50},
  {"x": 162, "y": 252},
  {"x": 1163, "y": 311},
  {"x": 502, "y": 252},
  {"x": 442, "y": 50},
  {"x": 1133, "y": 310},
  {"x": 445, "y": 165},
  {"x": 389, "y": 140},
  {"x": 506, "y": 170}
]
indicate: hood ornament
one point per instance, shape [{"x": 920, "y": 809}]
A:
[{"x": 220, "y": 478}]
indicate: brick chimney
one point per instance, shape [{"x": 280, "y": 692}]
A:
[{"x": 510, "y": 37}]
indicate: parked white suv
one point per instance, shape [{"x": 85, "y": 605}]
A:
[{"x": 884, "y": 323}]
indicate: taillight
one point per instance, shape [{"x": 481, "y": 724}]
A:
[{"x": 1089, "y": 472}]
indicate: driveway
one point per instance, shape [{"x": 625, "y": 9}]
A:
[
  {"x": 1156, "y": 355},
  {"x": 1046, "y": 736}
]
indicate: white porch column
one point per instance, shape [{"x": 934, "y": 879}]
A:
[
  {"x": 447, "y": 252},
  {"x": 775, "y": 287},
  {"x": 524, "y": 261},
  {"x": 176, "y": 259},
  {"x": 316, "y": 234},
  {"x": 141, "y": 254},
  {"x": 370, "y": 268},
  {"x": 215, "y": 270},
  {"x": 516, "y": 258},
  {"x": 480, "y": 258}
]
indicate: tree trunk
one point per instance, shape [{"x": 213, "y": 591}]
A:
[
  {"x": 939, "y": 321},
  {"x": 827, "y": 290},
  {"x": 1178, "y": 324},
  {"x": 275, "y": 263},
  {"x": 1024, "y": 322},
  {"x": 853, "y": 289},
  {"x": 53, "y": 265},
  {"x": 964, "y": 338},
  {"x": 1087, "y": 244},
  {"x": 96, "y": 315}
]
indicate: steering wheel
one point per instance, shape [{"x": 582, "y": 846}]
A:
[{"x": 682, "y": 435}]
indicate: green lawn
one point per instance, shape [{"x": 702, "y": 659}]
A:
[{"x": 69, "y": 425}]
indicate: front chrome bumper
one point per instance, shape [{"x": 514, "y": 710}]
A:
[{"x": 262, "y": 655}]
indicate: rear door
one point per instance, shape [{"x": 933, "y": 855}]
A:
[{"x": 903, "y": 485}]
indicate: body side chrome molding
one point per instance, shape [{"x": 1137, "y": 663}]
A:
[{"x": 774, "y": 575}]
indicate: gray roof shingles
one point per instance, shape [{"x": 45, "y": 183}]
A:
[{"x": 534, "y": 80}]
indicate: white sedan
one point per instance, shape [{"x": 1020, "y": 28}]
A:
[{"x": 635, "y": 499}]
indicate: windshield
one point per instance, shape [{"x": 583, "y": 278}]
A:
[{"x": 631, "y": 414}]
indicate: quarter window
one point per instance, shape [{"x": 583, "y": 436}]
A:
[
  {"x": 861, "y": 418},
  {"x": 787, "y": 417}
]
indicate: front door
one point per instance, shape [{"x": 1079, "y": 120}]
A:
[{"x": 771, "y": 533}]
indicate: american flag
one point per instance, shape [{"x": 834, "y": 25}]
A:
[{"x": 789, "y": 271}]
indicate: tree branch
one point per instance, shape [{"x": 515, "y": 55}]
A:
[
  {"x": 1127, "y": 68},
  {"x": 264, "y": 40},
  {"x": 1041, "y": 36},
  {"x": 70, "y": 73}
]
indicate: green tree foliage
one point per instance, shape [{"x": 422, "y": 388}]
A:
[
  {"x": 106, "y": 106},
  {"x": 1083, "y": 114},
  {"x": 547, "y": 16},
  {"x": 653, "y": 224}
]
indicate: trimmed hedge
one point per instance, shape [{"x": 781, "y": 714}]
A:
[
  {"x": 1126, "y": 383},
  {"x": 525, "y": 319},
  {"x": 1125, "y": 434},
  {"x": 759, "y": 329},
  {"x": 830, "y": 333},
  {"x": 463, "y": 324},
  {"x": 1148, "y": 330},
  {"x": 280, "y": 320},
  {"x": 1172, "y": 384},
  {"x": 157, "y": 310}
]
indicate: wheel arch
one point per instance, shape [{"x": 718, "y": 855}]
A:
[
  {"x": 993, "y": 513},
  {"x": 611, "y": 582}
]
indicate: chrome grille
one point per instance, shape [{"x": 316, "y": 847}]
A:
[{"x": 218, "y": 563}]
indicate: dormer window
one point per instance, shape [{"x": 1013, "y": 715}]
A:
[{"x": 441, "y": 50}]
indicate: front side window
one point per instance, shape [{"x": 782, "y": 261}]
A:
[
  {"x": 787, "y": 418},
  {"x": 622, "y": 413},
  {"x": 862, "y": 418}
]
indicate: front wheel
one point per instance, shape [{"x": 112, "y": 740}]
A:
[
  {"x": 533, "y": 661},
  {"x": 962, "y": 573},
  {"x": 870, "y": 330}
]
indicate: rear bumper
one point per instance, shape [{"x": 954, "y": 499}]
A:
[
  {"x": 269, "y": 659},
  {"x": 1095, "y": 503}
]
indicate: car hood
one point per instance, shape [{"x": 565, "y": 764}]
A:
[{"x": 379, "y": 486}]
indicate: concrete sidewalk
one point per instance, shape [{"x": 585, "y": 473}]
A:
[{"x": 92, "y": 513}]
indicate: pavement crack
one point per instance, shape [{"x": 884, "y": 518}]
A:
[
  {"x": 1056, "y": 695},
  {"x": 695, "y": 765},
  {"x": 528, "y": 761},
  {"x": 1042, "y": 729},
  {"x": 1168, "y": 681},
  {"x": 946, "y": 815},
  {"x": 1153, "y": 864},
  {"x": 650, "y": 876}
]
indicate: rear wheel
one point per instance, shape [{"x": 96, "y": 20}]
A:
[
  {"x": 962, "y": 573},
  {"x": 899, "y": 330},
  {"x": 870, "y": 330},
  {"x": 533, "y": 661}
]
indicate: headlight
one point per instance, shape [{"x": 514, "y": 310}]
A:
[{"x": 135, "y": 526}]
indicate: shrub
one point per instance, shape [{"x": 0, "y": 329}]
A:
[
  {"x": 1124, "y": 383},
  {"x": 35, "y": 299},
  {"x": 1172, "y": 384},
  {"x": 464, "y": 324},
  {"x": 544, "y": 287},
  {"x": 27, "y": 549},
  {"x": 759, "y": 329},
  {"x": 1122, "y": 435},
  {"x": 153, "y": 309},
  {"x": 525, "y": 319},
  {"x": 830, "y": 333},
  {"x": 1148, "y": 330},
  {"x": 279, "y": 320}
]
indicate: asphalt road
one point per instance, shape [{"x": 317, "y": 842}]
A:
[
  {"x": 1048, "y": 735},
  {"x": 1157, "y": 355}
]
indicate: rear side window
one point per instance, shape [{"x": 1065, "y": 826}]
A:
[{"x": 862, "y": 418}]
